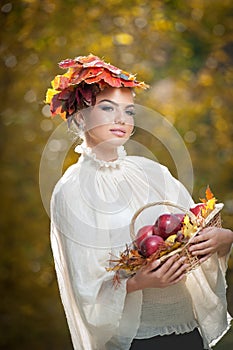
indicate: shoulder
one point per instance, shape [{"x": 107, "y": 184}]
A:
[
  {"x": 160, "y": 177},
  {"x": 144, "y": 162},
  {"x": 69, "y": 177}
]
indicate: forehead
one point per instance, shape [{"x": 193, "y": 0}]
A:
[{"x": 118, "y": 95}]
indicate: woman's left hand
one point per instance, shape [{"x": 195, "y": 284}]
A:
[{"x": 211, "y": 240}]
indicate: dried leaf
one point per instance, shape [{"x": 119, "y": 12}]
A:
[
  {"x": 188, "y": 228},
  {"x": 60, "y": 82},
  {"x": 209, "y": 194},
  {"x": 211, "y": 204},
  {"x": 209, "y": 201},
  {"x": 69, "y": 63},
  {"x": 49, "y": 95},
  {"x": 92, "y": 71}
]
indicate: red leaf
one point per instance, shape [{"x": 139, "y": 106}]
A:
[
  {"x": 107, "y": 77},
  {"x": 65, "y": 94},
  {"x": 60, "y": 82},
  {"x": 128, "y": 83},
  {"x": 69, "y": 63},
  {"x": 94, "y": 61},
  {"x": 55, "y": 104}
]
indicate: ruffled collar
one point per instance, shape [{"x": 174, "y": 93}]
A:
[{"x": 88, "y": 152}]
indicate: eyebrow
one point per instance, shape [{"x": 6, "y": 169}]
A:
[{"x": 114, "y": 103}]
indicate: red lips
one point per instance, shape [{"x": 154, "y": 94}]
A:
[{"x": 118, "y": 131}]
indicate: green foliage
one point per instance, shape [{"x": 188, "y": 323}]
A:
[{"x": 182, "y": 49}]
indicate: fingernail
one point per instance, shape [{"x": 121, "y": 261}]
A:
[{"x": 183, "y": 258}]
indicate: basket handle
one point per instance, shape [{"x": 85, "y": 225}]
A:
[{"x": 148, "y": 205}]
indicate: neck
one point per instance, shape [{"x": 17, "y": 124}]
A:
[{"x": 104, "y": 151}]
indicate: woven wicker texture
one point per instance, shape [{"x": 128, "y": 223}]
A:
[{"x": 213, "y": 219}]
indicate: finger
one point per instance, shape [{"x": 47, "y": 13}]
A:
[
  {"x": 178, "y": 279},
  {"x": 180, "y": 271},
  {"x": 206, "y": 229},
  {"x": 204, "y": 258},
  {"x": 203, "y": 251},
  {"x": 200, "y": 238},
  {"x": 177, "y": 268},
  {"x": 169, "y": 262},
  {"x": 151, "y": 266},
  {"x": 199, "y": 246},
  {"x": 205, "y": 234},
  {"x": 205, "y": 247},
  {"x": 169, "y": 269}
]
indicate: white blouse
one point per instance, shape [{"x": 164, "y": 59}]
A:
[{"x": 91, "y": 209}]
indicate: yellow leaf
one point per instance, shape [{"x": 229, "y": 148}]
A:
[
  {"x": 49, "y": 95},
  {"x": 186, "y": 220},
  {"x": 69, "y": 73},
  {"x": 211, "y": 204},
  {"x": 188, "y": 228},
  {"x": 56, "y": 81},
  {"x": 171, "y": 238}
]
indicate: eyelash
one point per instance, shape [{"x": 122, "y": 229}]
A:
[
  {"x": 107, "y": 108},
  {"x": 131, "y": 113}
]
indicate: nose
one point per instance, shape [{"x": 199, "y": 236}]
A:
[{"x": 119, "y": 117}]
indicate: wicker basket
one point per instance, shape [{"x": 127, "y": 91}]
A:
[{"x": 213, "y": 219}]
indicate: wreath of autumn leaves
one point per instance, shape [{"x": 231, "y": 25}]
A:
[{"x": 85, "y": 78}]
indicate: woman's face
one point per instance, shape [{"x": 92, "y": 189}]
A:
[{"x": 111, "y": 119}]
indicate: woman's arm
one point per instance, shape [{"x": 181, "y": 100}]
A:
[
  {"x": 155, "y": 275},
  {"x": 212, "y": 240}
]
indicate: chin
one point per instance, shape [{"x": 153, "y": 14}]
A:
[{"x": 116, "y": 142}]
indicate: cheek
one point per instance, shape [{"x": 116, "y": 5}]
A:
[
  {"x": 99, "y": 131},
  {"x": 95, "y": 121},
  {"x": 130, "y": 126}
]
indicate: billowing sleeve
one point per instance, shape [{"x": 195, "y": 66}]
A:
[
  {"x": 78, "y": 330},
  {"x": 163, "y": 185},
  {"x": 93, "y": 306},
  {"x": 207, "y": 286}
]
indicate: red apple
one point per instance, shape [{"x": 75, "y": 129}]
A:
[
  {"x": 197, "y": 209},
  {"x": 142, "y": 233},
  {"x": 150, "y": 245},
  {"x": 155, "y": 230},
  {"x": 180, "y": 216},
  {"x": 167, "y": 225}
]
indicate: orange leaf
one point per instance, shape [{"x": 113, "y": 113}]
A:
[{"x": 208, "y": 193}]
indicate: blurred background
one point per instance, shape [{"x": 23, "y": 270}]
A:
[{"x": 183, "y": 49}]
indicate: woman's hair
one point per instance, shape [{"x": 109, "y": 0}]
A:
[{"x": 75, "y": 127}]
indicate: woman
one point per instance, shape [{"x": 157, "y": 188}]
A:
[{"x": 91, "y": 209}]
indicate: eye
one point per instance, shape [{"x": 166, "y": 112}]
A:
[
  {"x": 131, "y": 112},
  {"x": 106, "y": 108}
]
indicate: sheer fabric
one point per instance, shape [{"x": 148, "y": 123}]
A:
[{"x": 91, "y": 209}]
